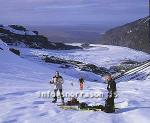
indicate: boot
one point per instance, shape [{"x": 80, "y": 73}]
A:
[
  {"x": 62, "y": 99},
  {"x": 55, "y": 100}
]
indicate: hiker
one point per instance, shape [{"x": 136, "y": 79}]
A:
[
  {"x": 81, "y": 80},
  {"x": 109, "y": 104},
  {"x": 58, "y": 82},
  {"x": 111, "y": 87}
]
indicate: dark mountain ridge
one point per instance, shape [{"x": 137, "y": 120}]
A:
[
  {"x": 18, "y": 35},
  {"x": 134, "y": 35}
]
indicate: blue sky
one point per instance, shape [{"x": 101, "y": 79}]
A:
[{"x": 60, "y": 12}]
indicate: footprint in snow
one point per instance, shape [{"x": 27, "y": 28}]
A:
[
  {"x": 19, "y": 93},
  {"x": 21, "y": 108},
  {"x": 15, "y": 94},
  {"x": 43, "y": 114},
  {"x": 38, "y": 102},
  {"x": 17, "y": 115},
  {"x": 10, "y": 121},
  {"x": 2, "y": 98}
]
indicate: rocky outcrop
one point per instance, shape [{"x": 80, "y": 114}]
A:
[
  {"x": 124, "y": 66},
  {"x": 86, "y": 45},
  {"x": 15, "y": 51},
  {"x": 119, "y": 69},
  {"x": 20, "y": 36},
  {"x": 134, "y": 35},
  {"x": 77, "y": 64}
]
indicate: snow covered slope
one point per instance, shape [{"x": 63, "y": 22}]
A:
[
  {"x": 19, "y": 32},
  {"x": 15, "y": 68},
  {"x": 21, "y": 81}
]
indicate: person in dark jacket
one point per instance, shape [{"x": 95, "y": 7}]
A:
[
  {"x": 109, "y": 104},
  {"x": 111, "y": 87}
]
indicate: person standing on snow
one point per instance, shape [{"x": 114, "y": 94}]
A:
[
  {"x": 111, "y": 87},
  {"x": 81, "y": 80},
  {"x": 57, "y": 80},
  {"x": 109, "y": 104}
]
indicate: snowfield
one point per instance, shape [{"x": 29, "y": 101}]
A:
[
  {"x": 22, "y": 79},
  {"x": 100, "y": 55},
  {"x": 19, "y": 32}
]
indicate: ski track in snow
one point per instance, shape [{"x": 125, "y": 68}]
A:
[{"x": 21, "y": 80}]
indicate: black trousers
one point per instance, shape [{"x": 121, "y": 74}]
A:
[{"x": 61, "y": 95}]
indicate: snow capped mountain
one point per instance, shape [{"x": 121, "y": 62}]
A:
[
  {"x": 20, "y": 30},
  {"x": 17, "y": 35},
  {"x": 3, "y": 45},
  {"x": 133, "y": 35}
]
